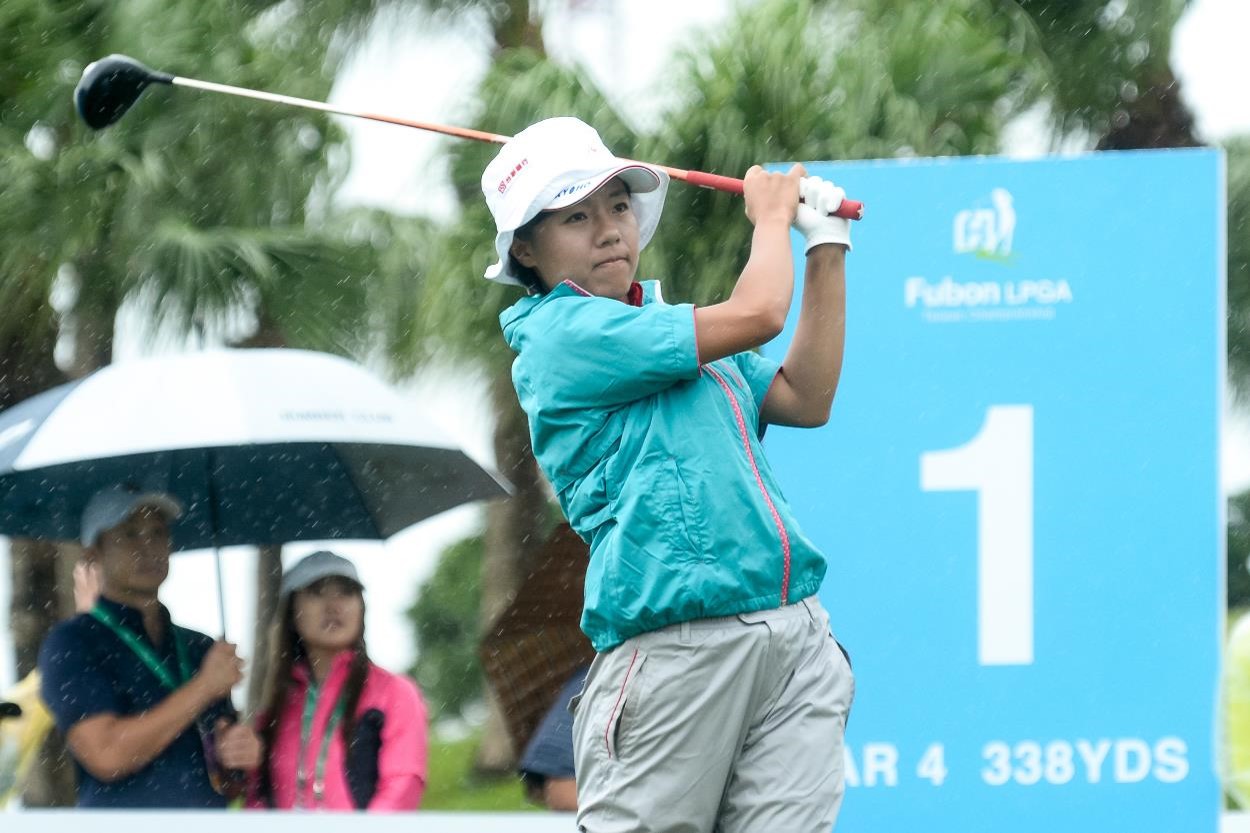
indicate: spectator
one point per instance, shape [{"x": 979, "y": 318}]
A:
[
  {"x": 340, "y": 733},
  {"x": 546, "y": 767},
  {"x": 143, "y": 703}
]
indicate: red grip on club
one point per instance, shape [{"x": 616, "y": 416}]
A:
[{"x": 848, "y": 210}]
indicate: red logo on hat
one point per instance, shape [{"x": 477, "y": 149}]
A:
[{"x": 507, "y": 180}]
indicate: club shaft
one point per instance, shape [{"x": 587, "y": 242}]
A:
[
  {"x": 850, "y": 209},
  {"x": 309, "y": 104}
]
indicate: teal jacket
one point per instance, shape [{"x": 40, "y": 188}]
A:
[{"x": 656, "y": 461}]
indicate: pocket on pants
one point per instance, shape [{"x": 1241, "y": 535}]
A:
[
  {"x": 845, "y": 654},
  {"x": 850, "y": 672},
  {"x": 626, "y": 705}
]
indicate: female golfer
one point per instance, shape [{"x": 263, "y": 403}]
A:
[{"x": 718, "y": 698}]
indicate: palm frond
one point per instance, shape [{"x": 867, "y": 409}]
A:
[{"x": 312, "y": 286}]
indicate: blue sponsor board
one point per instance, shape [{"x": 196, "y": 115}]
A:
[{"x": 1019, "y": 492}]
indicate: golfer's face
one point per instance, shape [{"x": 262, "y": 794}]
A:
[
  {"x": 329, "y": 614},
  {"x": 134, "y": 555},
  {"x": 593, "y": 243}
]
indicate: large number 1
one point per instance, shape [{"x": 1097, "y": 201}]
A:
[{"x": 998, "y": 464}]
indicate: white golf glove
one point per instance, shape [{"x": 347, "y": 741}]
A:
[{"x": 815, "y": 220}]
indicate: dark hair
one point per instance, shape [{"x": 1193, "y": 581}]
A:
[
  {"x": 286, "y": 649},
  {"x": 526, "y": 274}
]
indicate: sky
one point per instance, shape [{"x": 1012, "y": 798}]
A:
[{"x": 625, "y": 46}]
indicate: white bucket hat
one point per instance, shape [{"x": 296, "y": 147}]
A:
[{"x": 553, "y": 164}]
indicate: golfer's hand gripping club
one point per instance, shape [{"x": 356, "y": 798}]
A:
[
  {"x": 816, "y": 219},
  {"x": 847, "y": 209}
]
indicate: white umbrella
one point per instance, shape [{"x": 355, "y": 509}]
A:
[{"x": 260, "y": 446}]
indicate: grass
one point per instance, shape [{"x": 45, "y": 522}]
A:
[{"x": 453, "y": 785}]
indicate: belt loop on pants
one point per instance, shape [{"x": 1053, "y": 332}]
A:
[{"x": 685, "y": 632}]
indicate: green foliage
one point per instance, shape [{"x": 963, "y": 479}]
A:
[
  {"x": 804, "y": 80},
  {"x": 1092, "y": 57},
  {"x": 445, "y": 618},
  {"x": 1238, "y": 151},
  {"x": 198, "y": 199},
  {"x": 1239, "y": 550},
  {"x": 454, "y": 785}
]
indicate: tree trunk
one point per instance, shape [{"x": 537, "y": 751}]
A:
[
  {"x": 93, "y": 337},
  {"x": 40, "y": 576},
  {"x": 36, "y": 604},
  {"x": 516, "y": 529},
  {"x": 1156, "y": 118},
  {"x": 515, "y": 27},
  {"x": 268, "y": 558},
  {"x": 51, "y": 781},
  {"x": 268, "y": 580}
]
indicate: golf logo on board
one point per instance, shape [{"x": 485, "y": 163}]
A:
[{"x": 987, "y": 231}]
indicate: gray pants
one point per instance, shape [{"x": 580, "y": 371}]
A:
[{"x": 732, "y": 725}]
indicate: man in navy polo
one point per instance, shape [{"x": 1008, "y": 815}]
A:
[{"x": 144, "y": 704}]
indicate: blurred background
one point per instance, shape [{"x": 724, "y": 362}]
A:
[{"x": 201, "y": 220}]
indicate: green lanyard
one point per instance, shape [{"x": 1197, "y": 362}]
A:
[
  {"x": 311, "y": 699},
  {"x": 145, "y": 653}
]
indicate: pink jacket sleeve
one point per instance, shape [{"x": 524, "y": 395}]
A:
[{"x": 402, "y": 759}]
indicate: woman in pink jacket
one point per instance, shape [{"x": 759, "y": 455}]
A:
[{"x": 340, "y": 733}]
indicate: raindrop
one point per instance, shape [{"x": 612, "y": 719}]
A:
[
  {"x": 309, "y": 137},
  {"x": 1112, "y": 13},
  {"x": 1138, "y": 51},
  {"x": 67, "y": 72},
  {"x": 40, "y": 140}
]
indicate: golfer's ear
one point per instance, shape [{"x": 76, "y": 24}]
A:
[{"x": 523, "y": 252}]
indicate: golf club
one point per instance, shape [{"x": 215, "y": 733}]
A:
[{"x": 111, "y": 85}]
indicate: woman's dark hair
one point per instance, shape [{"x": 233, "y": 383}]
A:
[
  {"x": 526, "y": 275},
  {"x": 285, "y": 650}
]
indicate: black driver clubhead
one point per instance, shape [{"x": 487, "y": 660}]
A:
[{"x": 109, "y": 86}]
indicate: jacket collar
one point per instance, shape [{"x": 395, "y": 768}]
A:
[{"x": 648, "y": 292}]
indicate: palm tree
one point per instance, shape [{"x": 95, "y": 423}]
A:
[
  {"x": 200, "y": 209},
  {"x": 819, "y": 80},
  {"x": 1106, "y": 68}
]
